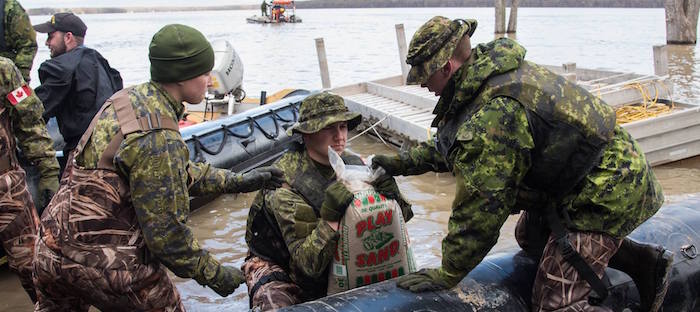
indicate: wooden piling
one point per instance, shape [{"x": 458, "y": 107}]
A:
[
  {"x": 660, "y": 60},
  {"x": 403, "y": 50},
  {"x": 513, "y": 18},
  {"x": 323, "y": 63},
  {"x": 681, "y": 21},
  {"x": 500, "y": 6},
  {"x": 569, "y": 71}
]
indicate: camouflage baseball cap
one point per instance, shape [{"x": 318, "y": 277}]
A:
[
  {"x": 323, "y": 109},
  {"x": 432, "y": 46}
]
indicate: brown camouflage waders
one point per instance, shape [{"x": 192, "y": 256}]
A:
[
  {"x": 265, "y": 292},
  {"x": 18, "y": 217},
  {"x": 92, "y": 251},
  {"x": 558, "y": 285}
]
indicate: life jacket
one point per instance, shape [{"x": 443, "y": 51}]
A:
[
  {"x": 91, "y": 219},
  {"x": 569, "y": 125}
]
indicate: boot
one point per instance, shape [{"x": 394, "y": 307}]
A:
[{"x": 649, "y": 266}]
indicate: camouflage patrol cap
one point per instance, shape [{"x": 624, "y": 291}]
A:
[
  {"x": 432, "y": 46},
  {"x": 320, "y": 110}
]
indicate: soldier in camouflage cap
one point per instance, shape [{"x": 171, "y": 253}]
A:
[
  {"x": 119, "y": 219},
  {"x": 21, "y": 124},
  {"x": 518, "y": 137},
  {"x": 433, "y": 45},
  {"x": 292, "y": 231},
  {"x": 321, "y": 110},
  {"x": 18, "y": 39}
]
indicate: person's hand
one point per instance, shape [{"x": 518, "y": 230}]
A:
[
  {"x": 428, "y": 280},
  {"x": 386, "y": 185},
  {"x": 46, "y": 189},
  {"x": 264, "y": 177},
  {"x": 226, "y": 280},
  {"x": 336, "y": 202},
  {"x": 391, "y": 164}
]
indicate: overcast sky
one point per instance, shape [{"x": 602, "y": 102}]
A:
[{"x": 28, "y": 4}]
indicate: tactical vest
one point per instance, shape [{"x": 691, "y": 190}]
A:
[
  {"x": 264, "y": 237},
  {"x": 91, "y": 219},
  {"x": 8, "y": 158},
  {"x": 570, "y": 126}
]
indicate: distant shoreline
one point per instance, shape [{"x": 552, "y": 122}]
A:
[{"x": 347, "y": 4}]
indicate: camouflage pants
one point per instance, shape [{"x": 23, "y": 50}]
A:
[
  {"x": 558, "y": 285},
  {"x": 63, "y": 285},
  {"x": 271, "y": 295},
  {"x": 18, "y": 226}
]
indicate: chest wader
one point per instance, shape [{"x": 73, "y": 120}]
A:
[
  {"x": 18, "y": 216},
  {"x": 570, "y": 129},
  {"x": 268, "y": 242},
  {"x": 91, "y": 218}
]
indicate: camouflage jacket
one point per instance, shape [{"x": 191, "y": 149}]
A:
[
  {"x": 492, "y": 156},
  {"x": 27, "y": 125},
  {"x": 20, "y": 38},
  {"x": 155, "y": 165},
  {"x": 310, "y": 241}
]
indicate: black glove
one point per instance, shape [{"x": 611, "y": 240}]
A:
[
  {"x": 391, "y": 164},
  {"x": 264, "y": 177},
  {"x": 226, "y": 280},
  {"x": 336, "y": 202}
]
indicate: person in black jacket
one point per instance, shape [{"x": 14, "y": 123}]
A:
[{"x": 76, "y": 81}]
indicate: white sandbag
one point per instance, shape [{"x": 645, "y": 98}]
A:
[{"x": 373, "y": 244}]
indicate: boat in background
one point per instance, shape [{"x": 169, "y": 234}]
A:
[{"x": 276, "y": 13}]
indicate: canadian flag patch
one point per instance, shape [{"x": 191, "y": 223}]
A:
[{"x": 19, "y": 94}]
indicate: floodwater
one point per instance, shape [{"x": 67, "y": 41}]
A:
[{"x": 361, "y": 45}]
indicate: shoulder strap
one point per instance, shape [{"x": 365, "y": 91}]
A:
[{"x": 129, "y": 123}]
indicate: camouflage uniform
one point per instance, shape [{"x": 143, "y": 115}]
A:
[
  {"x": 21, "y": 123},
  {"x": 284, "y": 226},
  {"x": 115, "y": 220},
  {"x": 504, "y": 138},
  {"x": 20, "y": 38}
]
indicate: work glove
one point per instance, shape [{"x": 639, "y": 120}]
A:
[
  {"x": 336, "y": 202},
  {"x": 226, "y": 280},
  {"x": 264, "y": 177},
  {"x": 45, "y": 190},
  {"x": 386, "y": 185},
  {"x": 391, "y": 164},
  {"x": 428, "y": 280}
]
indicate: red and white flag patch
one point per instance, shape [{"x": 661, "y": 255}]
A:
[{"x": 19, "y": 94}]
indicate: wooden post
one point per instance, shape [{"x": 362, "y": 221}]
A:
[
  {"x": 323, "y": 63},
  {"x": 569, "y": 71},
  {"x": 682, "y": 21},
  {"x": 513, "y": 18},
  {"x": 403, "y": 51},
  {"x": 660, "y": 60},
  {"x": 500, "y": 16}
]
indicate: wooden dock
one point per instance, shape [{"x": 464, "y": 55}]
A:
[{"x": 404, "y": 112}]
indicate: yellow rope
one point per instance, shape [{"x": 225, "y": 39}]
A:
[{"x": 649, "y": 107}]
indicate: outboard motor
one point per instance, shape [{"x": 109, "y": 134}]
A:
[{"x": 226, "y": 76}]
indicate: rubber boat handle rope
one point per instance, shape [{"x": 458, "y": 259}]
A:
[
  {"x": 372, "y": 127},
  {"x": 199, "y": 147},
  {"x": 689, "y": 251}
]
